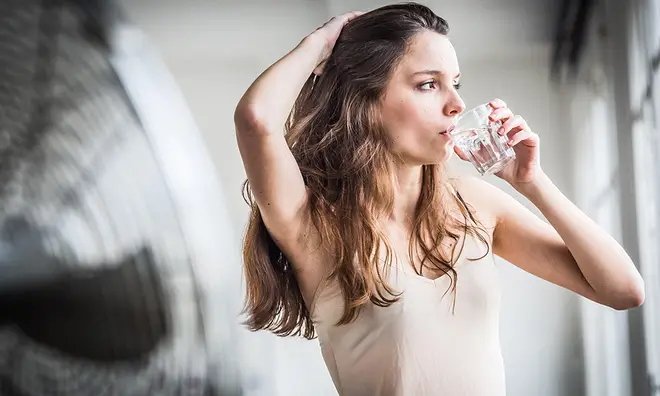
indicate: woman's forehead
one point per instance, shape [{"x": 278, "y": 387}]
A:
[{"x": 430, "y": 51}]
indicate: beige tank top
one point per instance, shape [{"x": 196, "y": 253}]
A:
[{"x": 418, "y": 346}]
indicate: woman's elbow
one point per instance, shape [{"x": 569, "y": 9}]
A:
[
  {"x": 633, "y": 298},
  {"x": 247, "y": 118}
]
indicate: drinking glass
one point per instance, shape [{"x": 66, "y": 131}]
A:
[{"x": 477, "y": 137}]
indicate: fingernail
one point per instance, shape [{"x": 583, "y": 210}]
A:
[
  {"x": 501, "y": 131},
  {"x": 510, "y": 142}
]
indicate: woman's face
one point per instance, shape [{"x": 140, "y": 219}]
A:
[{"x": 421, "y": 101}]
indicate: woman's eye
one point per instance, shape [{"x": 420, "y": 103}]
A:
[
  {"x": 427, "y": 85},
  {"x": 457, "y": 86}
]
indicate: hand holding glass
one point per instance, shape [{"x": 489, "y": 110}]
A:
[{"x": 476, "y": 136}]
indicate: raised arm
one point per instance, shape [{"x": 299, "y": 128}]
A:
[{"x": 260, "y": 117}]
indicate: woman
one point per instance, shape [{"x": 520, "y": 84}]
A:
[{"x": 358, "y": 235}]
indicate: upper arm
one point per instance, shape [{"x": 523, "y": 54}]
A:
[
  {"x": 523, "y": 239},
  {"x": 274, "y": 176}
]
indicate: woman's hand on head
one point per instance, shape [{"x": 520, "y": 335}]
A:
[{"x": 328, "y": 34}]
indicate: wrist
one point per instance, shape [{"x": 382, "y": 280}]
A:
[
  {"x": 318, "y": 43},
  {"x": 534, "y": 188}
]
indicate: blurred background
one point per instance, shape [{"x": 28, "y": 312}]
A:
[{"x": 122, "y": 216}]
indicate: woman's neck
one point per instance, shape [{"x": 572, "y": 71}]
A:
[{"x": 407, "y": 183}]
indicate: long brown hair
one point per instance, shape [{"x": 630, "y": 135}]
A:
[{"x": 336, "y": 137}]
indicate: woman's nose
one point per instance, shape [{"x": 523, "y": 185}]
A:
[{"x": 455, "y": 107}]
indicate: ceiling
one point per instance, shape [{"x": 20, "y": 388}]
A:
[{"x": 231, "y": 29}]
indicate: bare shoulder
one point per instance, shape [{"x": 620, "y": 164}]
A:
[{"x": 484, "y": 198}]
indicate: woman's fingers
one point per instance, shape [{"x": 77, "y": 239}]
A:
[
  {"x": 331, "y": 31},
  {"x": 460, "y": 153},
  {"x": 513, "y": 122},
  {"x": 497, "y": 103},
  {"x": 502, "y": 114},
  {"x": 524, "y": 135}
]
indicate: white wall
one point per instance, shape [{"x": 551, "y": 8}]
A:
[
  {"x": 541, "y": 337},
  {"x": 213, "y": 80}
]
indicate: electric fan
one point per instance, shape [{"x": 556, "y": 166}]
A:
[{"x": 118, "y": 267}]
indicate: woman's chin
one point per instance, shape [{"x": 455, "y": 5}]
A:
[{"x": 440, "y": 158}]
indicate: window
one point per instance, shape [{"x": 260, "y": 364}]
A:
[{"x": 645, "y": 89}]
